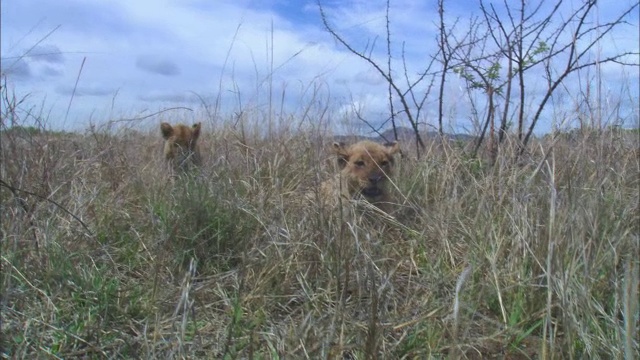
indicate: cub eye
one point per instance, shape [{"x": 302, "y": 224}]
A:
[
  {"x": 359, "y": 163},
  {"x": 384, "y": 163}
]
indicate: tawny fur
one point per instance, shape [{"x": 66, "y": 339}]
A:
[
  {"x": 181, "y": 145},
  {"x": 365, "y": 168}
]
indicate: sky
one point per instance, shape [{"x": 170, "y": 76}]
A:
[{"x": 80, "y": 62}]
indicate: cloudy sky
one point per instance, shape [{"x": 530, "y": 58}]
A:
[{"x": 111, "y": 59}]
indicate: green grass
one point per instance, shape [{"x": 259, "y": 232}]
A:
[{"x": 231, "y": 263}]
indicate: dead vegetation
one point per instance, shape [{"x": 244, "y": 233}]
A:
[{"x": 104, "y": 258}]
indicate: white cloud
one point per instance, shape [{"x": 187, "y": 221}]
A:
[
  {"x": 16, "y": 68},
  {"x": 157, "y": 65},
  {"x": 84, "y": 90},
  {"x": 47, "y": 53},
  {"x": 170, "y": 97}
]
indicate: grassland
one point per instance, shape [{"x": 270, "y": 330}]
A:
[{"x": 104, "y": 257}]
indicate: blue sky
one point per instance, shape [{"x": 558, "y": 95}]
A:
[{"x": 144, "y": 56}]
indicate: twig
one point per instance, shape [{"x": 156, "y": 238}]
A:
[
  {"x": 73, "y": 93},
  {"x": 150, "y": 115}
]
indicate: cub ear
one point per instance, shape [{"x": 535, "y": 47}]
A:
[
  {"x": 166, "y": 130},
  {"x": 340, "y": 149},
  {"x": 392, "y": 147},
  {"x": 196, "y": 130}
]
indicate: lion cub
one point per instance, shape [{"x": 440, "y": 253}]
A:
[
  {"x": 181, "y": 145},
  {"x": 365, "y": 168}
]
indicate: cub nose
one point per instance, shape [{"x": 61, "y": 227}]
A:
[{"x": 375, "y": 178}]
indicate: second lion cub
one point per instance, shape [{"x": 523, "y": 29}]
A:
[{"x": 181, "y": 145}]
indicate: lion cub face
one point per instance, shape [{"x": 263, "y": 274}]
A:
[
  {"x": 366, "y": 167},
  {"x": 180, "y": 145}
]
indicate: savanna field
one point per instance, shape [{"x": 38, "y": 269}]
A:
[
  {"x": 510, "y": 229},
  {"x": 104, "y": 256}
]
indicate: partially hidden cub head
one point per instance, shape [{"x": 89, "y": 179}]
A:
[
  {"x": 366, "y": 167},
  {"x": 181, "y": 145}
]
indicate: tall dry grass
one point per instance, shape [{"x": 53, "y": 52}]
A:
[{"x": 103, "y": 257}]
